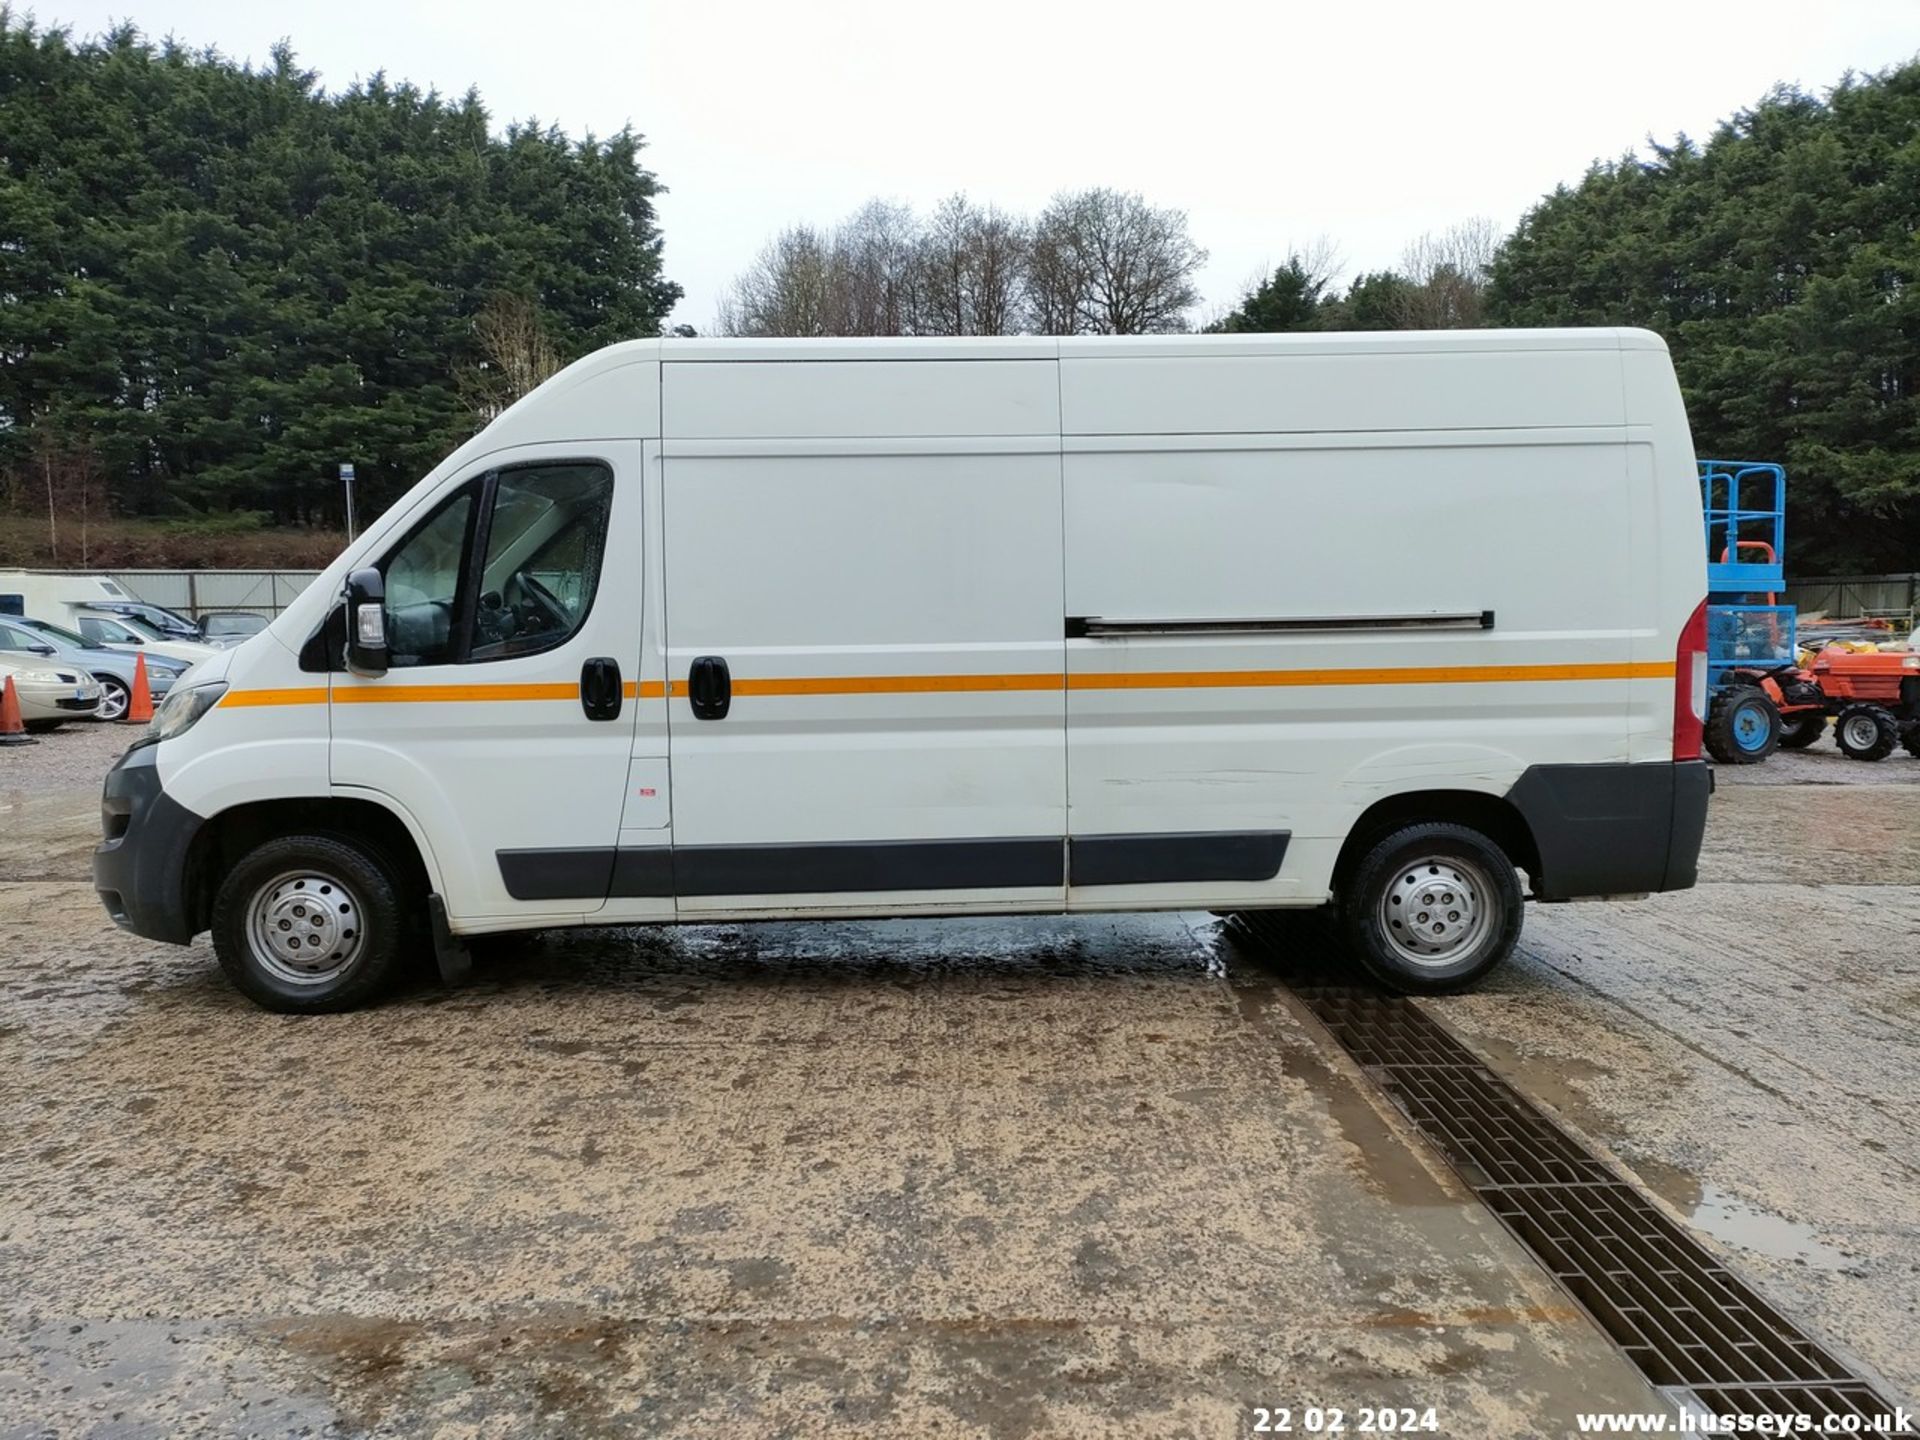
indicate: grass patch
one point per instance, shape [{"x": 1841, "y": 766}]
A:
[{"x": 240, "y": 541}]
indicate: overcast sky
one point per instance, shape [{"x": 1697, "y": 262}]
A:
[{"x": 1270, "y": 124}]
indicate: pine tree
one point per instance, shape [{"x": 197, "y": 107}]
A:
[{"x": 221, "y": 281}]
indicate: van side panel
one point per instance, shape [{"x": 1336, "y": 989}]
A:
[
  {"x": 889, "y": 610},
  {"x": 1481, "y": 577},
  {"x": 828, "y": 399},
  {"x": 1269, "y": 394}
]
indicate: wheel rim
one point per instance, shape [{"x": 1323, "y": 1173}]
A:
[
  {"x": 304, "y": 927},
  {"x": 1435, "y": 910},
  {"x": 1750, "y": 727},
  {"x": 113, "y": 700},
  {"x": 1862, "y": 731}
]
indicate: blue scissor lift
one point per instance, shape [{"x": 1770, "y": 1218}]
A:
[{"x": 1751, "y": 654}]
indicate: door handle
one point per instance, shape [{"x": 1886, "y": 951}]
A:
[
  {"x": 600, "y": 690},
  {"x": 709, "y": 688}
]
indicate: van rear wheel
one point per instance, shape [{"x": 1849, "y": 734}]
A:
[
  {"x": 1431, "y": 908},
  {"x": 309, "y": 923}
]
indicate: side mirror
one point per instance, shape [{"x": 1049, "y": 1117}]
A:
[
  {"x": 367, "y": 623},
  {"x": 43, "y": 649}
]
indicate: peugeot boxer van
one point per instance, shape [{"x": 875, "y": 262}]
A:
[{"x": 1406, "y": 624}]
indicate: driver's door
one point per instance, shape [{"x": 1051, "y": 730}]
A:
[{"x": 513, "y": 603}]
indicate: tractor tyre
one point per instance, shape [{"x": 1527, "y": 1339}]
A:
[
  {"x": 1743, "y": 727},
  {"x": 1866, "y": 732},
  {"x": 1911, "y": 739},
  {"x": 1800, "y": 730}
]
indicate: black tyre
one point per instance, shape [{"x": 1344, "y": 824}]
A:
[
  {"x": 1431, "y": 908},
  {"x": 1743, "y": 727},
  {"x": 310, "y": 923},
  {"x": 1911, "y": 738},
  {"x": 114, "y": 698},
  {"x": 1800, "y": 730},
  {"x": 1866, "y": 732}
]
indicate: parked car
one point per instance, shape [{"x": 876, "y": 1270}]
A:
[
  {"x": 227, "y": 628},
  {"x": 123, "y": 632},
  {"x": 165, "y": 623},
  {"x": 50, "y": 695},
  {"x": 112, "y": 668},
  {"x": 745, "y": 630}
]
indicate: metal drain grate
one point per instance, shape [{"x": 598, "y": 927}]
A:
[{"x": 1693, "y": 1328}]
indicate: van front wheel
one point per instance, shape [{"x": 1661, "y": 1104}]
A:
[
  {"x": 309, "y": 923},
  {"x": 1431, "y": 908}
]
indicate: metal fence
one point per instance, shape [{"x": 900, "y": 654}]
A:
[
  {"x": 1894, "y": 596},
  {"x": 199, "y": 592}
]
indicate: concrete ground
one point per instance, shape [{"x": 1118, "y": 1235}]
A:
[{"x": 980, "y": 1178}]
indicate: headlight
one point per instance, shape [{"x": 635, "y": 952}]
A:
[{"x": 179, "y": 712}]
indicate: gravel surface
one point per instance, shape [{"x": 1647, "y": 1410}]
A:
[
  {"x": 1098, "y": 1175},
  {"x": 73, "y": 757},
  {"x": 1821, "y": 763}
]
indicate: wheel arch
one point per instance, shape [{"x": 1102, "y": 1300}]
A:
[
  {"x": 225, "y": 837},
  {"x": 1492, "y": 815}
]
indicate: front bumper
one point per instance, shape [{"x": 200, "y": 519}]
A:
[
  {"x": 140, "y": 865},
  {"x": 1615, "y": 829},
  {"x": 67, "y": 701}
]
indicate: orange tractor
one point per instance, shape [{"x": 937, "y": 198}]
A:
[{"x": 1874, "y": 699}]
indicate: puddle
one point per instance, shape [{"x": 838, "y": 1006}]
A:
[{"x": 1735, "y": 1223}]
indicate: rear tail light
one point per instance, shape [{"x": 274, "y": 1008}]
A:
[{"x": 1690, "y": 686}]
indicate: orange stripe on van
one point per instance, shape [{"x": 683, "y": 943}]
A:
[
  {"x": 303, "y": 695},
  {"x": 452, "y": 694},
  {"x": 1397, "y": 675},
  {"x": 889, "y": 684},
  {"x": 376, "y": 694}
]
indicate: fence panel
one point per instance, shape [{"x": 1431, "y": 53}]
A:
[
  {"x": 1848, "y": 596},
  {"x": 198, "y": 592}
]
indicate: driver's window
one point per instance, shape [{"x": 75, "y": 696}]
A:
[
  {"x": 423, "y": 581},
  {"x": 545, "y": 539},
  {"x": 544, "y": 528}
]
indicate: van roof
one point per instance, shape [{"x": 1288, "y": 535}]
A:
[
  {"x": 1333, "y": 342},
  {"x": 1039, "y": 347},
  {"x": 603, "y": 395}
]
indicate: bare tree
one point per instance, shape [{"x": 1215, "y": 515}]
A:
[
  {"x": 1127, "y": 267},
  {"x": 973, "y": 263},
  {"x": 790, "y": 289},
  {"x": 877, "y": 255},
  {"x": 1096, "y": 262},
  {"x": 861, "y": 278},
  {"x": 1448, "y": 272},
  {"x": 516, "y": 355}
]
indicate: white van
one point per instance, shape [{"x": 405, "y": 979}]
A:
[
  {"x": 55, "y": 594},
  {"x": 735, "y": 630}
]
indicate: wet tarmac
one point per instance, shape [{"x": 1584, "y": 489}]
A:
[{"x": 976, "y": 1178}]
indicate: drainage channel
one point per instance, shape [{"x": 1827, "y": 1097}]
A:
[{"x": 1700, "y": 1334}]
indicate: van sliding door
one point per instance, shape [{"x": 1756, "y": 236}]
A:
[{"x": 863, "y": 569}]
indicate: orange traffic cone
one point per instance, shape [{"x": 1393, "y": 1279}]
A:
[
  {"x": 13, "y": 730},
  {"x": 140, "y": 705}
]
